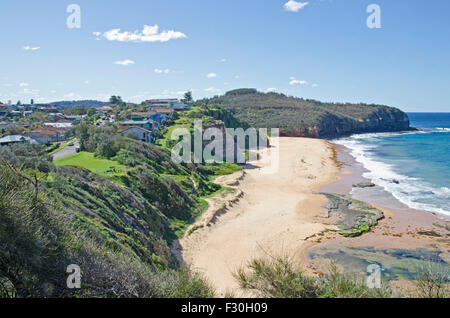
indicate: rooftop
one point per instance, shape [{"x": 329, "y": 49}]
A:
[{"x": 13, "y": 138}]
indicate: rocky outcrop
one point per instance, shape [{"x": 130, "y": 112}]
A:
[
  {"x": 356, "y": 217},
  {"x": 383, "y": 119}
]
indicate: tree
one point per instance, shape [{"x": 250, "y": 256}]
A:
[
  {"x": 187, "y": 98},
  {"x": 91, "y": 111},
  {"x": 116, "y": 100}
]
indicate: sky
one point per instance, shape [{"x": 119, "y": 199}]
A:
[{"x": 317, "y": 49}]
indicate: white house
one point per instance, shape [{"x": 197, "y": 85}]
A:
[
  {"x": 139, "y": 133},
  {"x": 173, "y": 104}
]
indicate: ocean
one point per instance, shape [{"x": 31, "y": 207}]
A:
[{"x": 414, "y": 166}]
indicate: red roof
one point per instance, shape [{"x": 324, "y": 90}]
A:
[{"x": 48, "y": 130}]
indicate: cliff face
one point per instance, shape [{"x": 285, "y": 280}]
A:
[
  {"x": 381, "y": 120},
  {"x": 297, "y": 117}
]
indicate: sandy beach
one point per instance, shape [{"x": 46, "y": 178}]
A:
[
  {"x": 276, "y": 213},
  {"x": 283, "y": 213}
]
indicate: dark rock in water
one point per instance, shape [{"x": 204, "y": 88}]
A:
[
  {"x": 395, "y": 181},
  {"x": 429, "y": 233},
  {"x": 357, "y": 217},
  {"x": 364, "y": 185}
]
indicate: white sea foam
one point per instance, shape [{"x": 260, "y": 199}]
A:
[{"x": 408, "y": 190}]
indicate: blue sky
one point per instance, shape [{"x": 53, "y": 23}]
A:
[{"x": 323, "y": 51}]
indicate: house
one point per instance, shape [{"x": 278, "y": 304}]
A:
[
  {"x": 159, "y": 117},
  {"x": 48, "y": 134},
  {"x": 3, "y": 109},
  {"x": 14, "y": 139},
  {"x": 15, "y": 113},
  {"x": 48, "y": 109},
  {"x": 142, "y": 134},
  {"x": 140, "y": 122},
  {"x": 4, "y": 123},
  {"x": 173, "y": 104},
  {"x": 75, "y": 118},
  {"x": 59, "y": 125},
  {"x": 103, "y": 110}
]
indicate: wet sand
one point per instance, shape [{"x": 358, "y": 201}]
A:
[{"x": 402, "y": 227}]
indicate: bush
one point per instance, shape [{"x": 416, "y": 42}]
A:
[
  {"x": 278, "y": 277},
  {"x": 39, "y": 238},
  {"x": 433, "y": 281}
]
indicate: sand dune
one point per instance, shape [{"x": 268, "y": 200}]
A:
[{"x": 275, "y": 212}]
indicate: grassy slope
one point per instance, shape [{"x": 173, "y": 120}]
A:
[{"x": 88, "y": 161}]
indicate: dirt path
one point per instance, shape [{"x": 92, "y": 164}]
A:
[{"x": 266, "y": 212}]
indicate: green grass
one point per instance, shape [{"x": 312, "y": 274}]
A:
[
  {"x": 222, "y": 169},
  {"x": 166, "y": 141},
  {"x": 96, "y": 165}
]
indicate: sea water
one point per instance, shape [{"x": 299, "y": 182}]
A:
[{"x": 413, "y": 166}]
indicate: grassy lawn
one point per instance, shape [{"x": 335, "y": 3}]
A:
[
  {"x": 104, "y": 167},
  {"x": 166, "y": 141}
]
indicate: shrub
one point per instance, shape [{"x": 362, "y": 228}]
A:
[
  {"x": 433, "y": 281},
  {"x": 278, "y": 277}
]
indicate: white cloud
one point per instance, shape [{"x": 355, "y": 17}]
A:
[
  {"x": 86, "y": 82},
  {"x": 148, "y": 34},
  {"x": 124, "y": 62},
  {"x": 314, "y": 85},
  {"x": 29, "y": 91},
  {"x": 271, "y": 89},
  {"x": 97, "y": 35},
  {"x": 296, "y": 82},
  {"x": 72, "y": 96},
  {"x": 24, "y": 84},
  {"x": 294, "y": 6},
  {"x": 223, "y": 60},
  {"x": 158, "y": 71},
  {"x": 211, "y": 75},
  {"x": 213, "y": 90},
  {"x": 31, "y": 48}
]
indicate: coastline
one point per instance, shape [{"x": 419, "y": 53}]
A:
[
  {"x": 285, "y": 214},
  {"x": 276, "y": 214},
  {"x": 403, "y": 229}
]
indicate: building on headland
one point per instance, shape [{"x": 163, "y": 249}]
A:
[
  {"x": 3, "y": 110},
  {"x": 142, "y": 123},
  {"x": 15, "y": 139},
  {"x": 138, "y": 133},
  {"x": 48, "y": 134},
  {"x": 103, "y": 109},
  {"x": 172, "y": 104}
]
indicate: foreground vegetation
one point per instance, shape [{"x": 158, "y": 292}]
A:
[
  {"x": 41, "y": 236},
  {"x": 113, "y": 209},
  {"x": 279, "y": 277}
]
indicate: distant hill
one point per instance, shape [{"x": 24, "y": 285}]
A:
[
  {"x": 85, "y": 103},
  {"x": 307, "y": 118}
]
